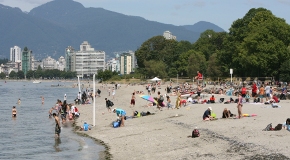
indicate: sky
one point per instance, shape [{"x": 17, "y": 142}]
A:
[{"x": 177, "y": 12}]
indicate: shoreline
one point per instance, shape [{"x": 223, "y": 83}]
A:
[
  {"x": 165, "y": 135},
  {"x": 102, "y": 154}
]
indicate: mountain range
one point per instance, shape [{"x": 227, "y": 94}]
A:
[{"x": 48, "y": 29}]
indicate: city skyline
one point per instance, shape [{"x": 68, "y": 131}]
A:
[{"x": 182, "y": 12}]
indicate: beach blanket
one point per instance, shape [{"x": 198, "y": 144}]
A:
[{"x": 268, "y": 106}]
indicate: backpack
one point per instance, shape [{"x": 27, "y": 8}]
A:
[
  {"x": 161, "y": 99},
  {"x": 195, "y": 133}
]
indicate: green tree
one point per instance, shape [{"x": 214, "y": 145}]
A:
[
  {"x": 196, "y": 62},
  {"x": 29, "y": 74},
  {"x": 156, "y": 68},
  {"x": 158, "y": 48},
  {"x": 210, "y": 42},
  {"x": 13, "y": 75},
  {"x": 20, "y": 74},
  {"x": 284, "y": 71},
  {"x": 2, "y": 75},
  {"x": 256, "y": 45},
  {"x": 213, "y": 68}
]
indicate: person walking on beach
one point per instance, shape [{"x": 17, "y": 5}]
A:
[
  {"x": 168, "y": 102},
  {"x": 199, "y": 89},
  {"x": 133, "y": 99},
  {"x": 254, "y": 90},
  {"x": 240, "y": 105},
  {"x": 262, "y": 93},
  {"x": 120, "y": 113},
  {"x": 57, "y": 125},
  {"x": 109, "y": 104},
  {"x": 109, "y": 91},
  {"x": 79, "y": 97},
  {"x": 113, "y": 93},
  {"x": 14, "y": 111},
  {"x": 268, "y": 90}
]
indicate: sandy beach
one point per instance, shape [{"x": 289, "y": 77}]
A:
[{"x": 165, "y": 134}]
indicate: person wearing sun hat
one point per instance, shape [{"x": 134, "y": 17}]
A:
[
  {"x": 120, "y": 113},
  {"x": 207, "y": 114}
]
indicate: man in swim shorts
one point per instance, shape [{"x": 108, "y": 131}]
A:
[{"x": 57, "y": 125}]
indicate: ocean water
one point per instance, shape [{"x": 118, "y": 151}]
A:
[{"x": 31, "y": 134}]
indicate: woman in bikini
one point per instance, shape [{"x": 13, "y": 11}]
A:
[
  {"x": 14, "y": 111},
  {"x": 240, "y": 105}
]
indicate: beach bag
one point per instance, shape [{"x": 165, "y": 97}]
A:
[
  {"x": 268, "y": 128},
  {"x": 116, "y": 124},
  {"x": 278, "y": 127},
  {"x": 143, "y": 114},
  {"x": 221, "y": 100},
  {"x": 195, "y": 133}
]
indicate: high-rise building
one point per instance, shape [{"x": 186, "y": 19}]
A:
[
  {"x": 15, "y": 54},
  {"x": 85, "y": 62},
  {"x": 126, "y": 62},
  {"x": 26, "y": 60}
]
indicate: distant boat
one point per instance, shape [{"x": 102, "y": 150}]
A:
[{"x": 36, "y": 81}]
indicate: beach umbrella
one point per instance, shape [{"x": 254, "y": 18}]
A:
[{"x": 148, "y": 98}]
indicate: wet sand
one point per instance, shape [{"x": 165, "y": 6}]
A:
[{"x": 165, "y": 134}]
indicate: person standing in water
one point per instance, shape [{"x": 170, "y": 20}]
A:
[
  {"x": 19, "y": 101},
  {"x": 57, "y": 125},
  {"x": 42, "y": 100},
  {"x": 14, "y": 111}
]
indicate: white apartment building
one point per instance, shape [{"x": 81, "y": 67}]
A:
[
  {"x": 168, "y": 35},
  {"x": 15, "y": 54},
  {"x": 85, "y": 62},
  {"x": 113, "y": 65},
  {"x": 61, "y": 63},
  {"x": 49, "y": 63}
]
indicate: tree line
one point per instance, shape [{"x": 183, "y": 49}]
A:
[
  {"x": 40, "y": 74},
  {"x": 256, "y": 45}
]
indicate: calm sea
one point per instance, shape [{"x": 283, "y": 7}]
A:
[{"x": 31, "y": 134}]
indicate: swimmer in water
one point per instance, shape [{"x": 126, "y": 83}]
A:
[
  {"x": 19, "y": 101},
  {"x": 42, "y": 100},
  {"x": 14, "y": 111}
]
